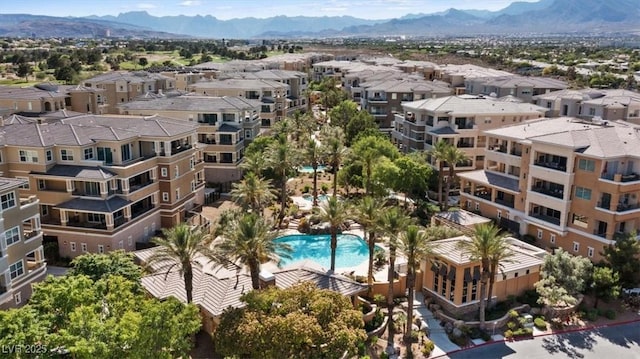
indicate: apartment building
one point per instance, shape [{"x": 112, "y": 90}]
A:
[
  {"x": 271, "y": 94},
  {"x": 608, "y": 105},
  {"x": 296, "y": 80},
  {"x": 124, "y": 86},
  {"x": 33, "y": 100},
  {"x": 225, "y": 126},
  {"x": 105, "y": 182},
  {"x": 454, "y": 282},
  {"x": 522, "y": 87},
  {"x": 567, "y": 182},
  {"x": 383, "y": 99},
  {"x": 21, "y": 254},
  {"x": 458, "y": 120}
]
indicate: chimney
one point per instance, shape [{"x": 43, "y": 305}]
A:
[{"x": 267, "y": 279}]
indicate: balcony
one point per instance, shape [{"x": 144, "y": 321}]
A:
[
  {"x": 507, "y": 201},
  {"x": 619, "y": 177},
  {"x": 135, "y": 187},
  {"x": 515, "y": 151},
  {"x": 627, "y": 207},
  {"x": 462, "y": 144},
  {"x": 553, "y": 192},
  {"x": 377, "y": 99},
  {"x": 86, "y": 224},
  {"x": 498, "y": 148},
  {"x": 600, "y": 233},
  {"x": 604, "y": 205},
  {"x": 558, "y": 166},
  {"x": 550, "y": 219},
  {"x": 484, "y": 194}
]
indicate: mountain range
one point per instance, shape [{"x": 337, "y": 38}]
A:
[{"x": 544, "y": 16}]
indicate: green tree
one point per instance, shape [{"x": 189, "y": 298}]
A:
[
  {"x": 101, "y": 266},
  {"x": 143, "y": 61},
  {"x": 334, "y": 212},
  {"x": 289, "y": 323},
  {"x": 416, "y": 247},
  {"x": 253, "y": 193},
  {"x": 605, "y": 284},
  {"x": 413, "y": 175},
  {"x": 283, "y": 159},
  {"x": 362, "y": 123},
  {"x": 439, "y": 153},
  {"x": 179, "y": 247},
  {"x": 24, "y": 70},
  {"x": 332, "y": 139},
  {"x": 342, "y": 113},
  {"x": 453, "y": 156},
  {"x": 563, "y": 277},
  {"x": 313, "y": 155},
  {"x": 484, "y": 241},
  {"x": 500, "y": 253},
  {"x": 367, "y": 213},
  {"x": 392, "y": 222},
  {"x": 367, "y": 152},
  {"x": 250, "y": 241},
  {"x": 437, "y": 233},
  {"x": 623, "y": 257}
]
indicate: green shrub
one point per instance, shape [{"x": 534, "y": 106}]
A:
[
  {"x": 610, "y": 314},
  {"x": 428, "y": 347},
  {"x": 384, "y": 355},
  {"x": 591, "y": 315},
  {"x": 325, "y": 187},
  {"x": 530, "y": 297},
  {"x": 485, "y": 336},
  {"x": 306, "y": 188},
  {"x": 508, "y": 334},
  {"x": 513, "y": 314},
  {"x": 379, "y": 299},
  {"x": 540, "y": 324},
  {"x": 511, "y": 325}
]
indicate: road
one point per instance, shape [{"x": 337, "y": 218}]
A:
[{"x": 620, "y": 342}]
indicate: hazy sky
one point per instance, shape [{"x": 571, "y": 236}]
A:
[{"x": 228, "y": 9}]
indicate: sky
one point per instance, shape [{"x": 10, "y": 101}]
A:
[{"x": 228, "y": 9}]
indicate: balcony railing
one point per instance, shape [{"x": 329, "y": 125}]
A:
[
  {"x": 627, "y": 207},
  {"x": 507, "y": 203},
  {"x": 3, "y": 289},
  {"x": 30, "y": 234},
  {"x": 552, "y": 165},
  {"x": 483, "y": 194},
  {"x": 464, "y": 145},
  {"x": 545, "y": 218},
  {"x": 516, "y": 152},
  {"x": 619, "y": 177},
  {"x": 604, "y": 205},
  {"x": 133, "y": 188},
  {"x": 600, "y": 233},
  {"x": 557, "y": 193},
  {"x": 497, "y": 148}
]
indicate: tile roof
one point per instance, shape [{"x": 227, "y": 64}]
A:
[
  {"x": 10, "y": 183},
  {"x": 492, "y": 179},
  {"x": 217, "y": 290},
  {"x": 95, "y": 205},
  {"x": 29, "y": 93},
  {"x": 81, "y": 172},
  {"x": 472, "y": 105},
  {"x": 200, "y": 104},
  {"x": 463, "y": 218},
  {"x": 246, "y": 84},
  {"x": 132, "y": 77}
]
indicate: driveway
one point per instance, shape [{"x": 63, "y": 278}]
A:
[{"x": 57, "y": 271}]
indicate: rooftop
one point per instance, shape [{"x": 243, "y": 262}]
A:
[
  {"x": 491, "y": 179},
  {"x": 472, "y": 105},
  {"x": 200, "y": 104}
]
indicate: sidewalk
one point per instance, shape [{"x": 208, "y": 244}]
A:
[{"x": 437, "y": 334}]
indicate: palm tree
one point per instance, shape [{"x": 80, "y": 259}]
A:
[
  {"x": 282, "y": 159},
  {"x": 313, "y": 156},
  {"x": 368, "y": 212},
  {"x": 439, "y": 152},
  {"x": 416, "y": 246},
  {"x": 302, "y": 125},
  {"x": 335, "y": 152},
  {"x": 335, "y": 213},
  {"x": 481, "y": 248},
  {"x": 453, "y": 156},
  {"x": 255, "y": 162},
  {"x": 392, "y": 222},
  {"x": 253, "y": 192},
  {"x": 250, "y": 242},
  {"x": 501, "y": 253},
  {"x": 179, "y": 248}
]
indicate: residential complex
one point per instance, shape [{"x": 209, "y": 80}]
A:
[
  {"x": 458, "y": 120},
  {"x": 21, "y": 253},
  {"x": 105, "y": 182},
  {"x": 522, "y": 87},
  {"x": 609, "y": 105},
  {"x": 454, "y": 280},
  {"x": 567, "y": 182},
  {"x": 225, "y": 126}
]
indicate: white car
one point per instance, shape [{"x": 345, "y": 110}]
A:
[{"x": 631, "y": 291}]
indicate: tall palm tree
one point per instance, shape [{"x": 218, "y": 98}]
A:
[
  {"x": 179, "y": 248},
  {"x": 302, "y": 125},
  {"x": 480, "y": 248},
  {"x": 501, "y": 253},
  {"x": 335, "y": 213},
  {"x": 332, "y": 139},
  {"x": 313, "y": 156},
  {"x": 367, "y": 213},
  {"x": 439, "y": 152},
  {"x": 282, "y": 159},
  {"x": 253, "y": 193},
  {"x": 392, "y": 222},
  {"x": 453, "y": 156},
  {"x": 250, "y": 241},
  {"x": 416, "y": 246},
  {"x": 255, "y": 162}
]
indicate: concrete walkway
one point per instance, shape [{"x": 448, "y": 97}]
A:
[{"x": 437, "y": 334}]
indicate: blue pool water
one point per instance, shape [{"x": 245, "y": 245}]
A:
[
  {"x": 321, "y": 197},
  {"x": 351, "y": 250},
  {"x": 309, "y": 169}
]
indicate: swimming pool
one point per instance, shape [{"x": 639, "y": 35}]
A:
[
  {"x": 309, "y": 197},
  {"x": 309, "y": 169},
  {"x": 351, "y": 251}
]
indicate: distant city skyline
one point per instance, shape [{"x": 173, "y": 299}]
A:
[{"x": 229, "y": 9}]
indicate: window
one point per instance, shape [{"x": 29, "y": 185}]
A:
[
  {"x": 95, "y": 217},
  {"x": 126, "y": 152},
  {"x": 100, "y": 248},
  {"x": 193, "y": 186},
  {"x": 527, "y": 272},
  {"x": 590, "y": 252},
  {"x": 16, "y": 269},
  {"x": 120, "y": 245},
  {"x": 552, "y": 238},
  {"x": 130, "y": 241},
  {"x": 539, "y": 233},
  {"x": 44, "y": 210},
  {"x": 163, "y": 172},
  {"x": 18, "y": 298},
  {"x": 72, "y": 246},
  {"x": 28, "y": 156},
  {"x": 477, "y": 206},
  {"x": 176, "y": 169},
  {"x": 88, "y": 153},
  {"x": 515, "y": 275},
  {"x": 192, "y": 163},
  {"x": 576, "y": 246},
  {"x": 592, "y": 111},
  {"x": 499, "y": 214},
  {"x": 25, "y": 185},
  {"x": 12, "y": 235},
  {"x": 66, "y": 155},
  {"x": 586, "y": 165},
  {"x": 83, "y": 247},
  {"x": 165, "y": 196},
  {"x": 177, "y": 194},
  {"x": 394, "y": 96},
  {"x": 8, "y": 200},
  {"x": 583, "y": 193},
  {"x": 580, "y": 220}
]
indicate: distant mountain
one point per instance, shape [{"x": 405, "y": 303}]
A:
[
  {"x": 521, "y": 7},
  {"x": 24, "y": 25},
  {"x": 209, "y": 26}
]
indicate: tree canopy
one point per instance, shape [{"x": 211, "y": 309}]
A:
[
  {"x": 624, "y": 258},
  {"x": 283, "y": 323},
  {"x": 563, "y": 277},
  {"x": 101, "y": 266}
]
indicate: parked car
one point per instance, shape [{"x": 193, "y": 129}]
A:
[{"x": 631, "y": 292}]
